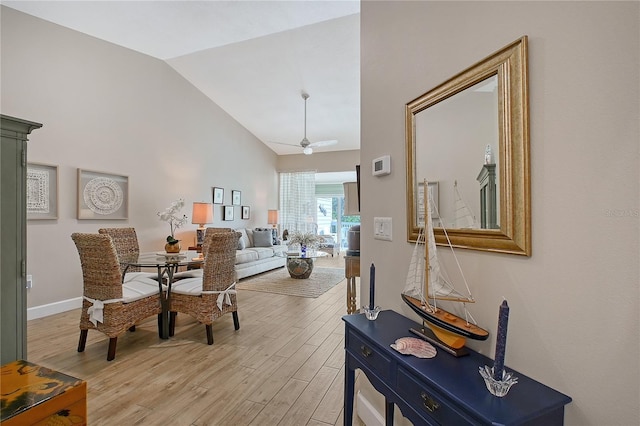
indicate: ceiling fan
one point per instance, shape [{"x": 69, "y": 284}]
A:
[{"x": 307, "y": 147}]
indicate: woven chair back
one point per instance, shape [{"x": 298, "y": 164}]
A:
[
  {"x": 219, "y": 261},
  {"x": 100, "y": 267},
  {"x": 210, "y": 231},
  {"x": 126, "y": 243}
]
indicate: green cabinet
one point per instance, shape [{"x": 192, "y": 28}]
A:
[
  {"x": 13, "y": 244},
  {"x": 488, "y": 197}
]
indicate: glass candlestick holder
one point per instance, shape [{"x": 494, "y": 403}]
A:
[
  {"x": 371, "y": 314},
  {"x": 498, "y": 388}
]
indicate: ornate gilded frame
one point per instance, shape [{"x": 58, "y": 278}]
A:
[{"x": 510, "y": 64}]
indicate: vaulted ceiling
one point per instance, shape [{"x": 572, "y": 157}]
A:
[{"x": 252, "y": 58}]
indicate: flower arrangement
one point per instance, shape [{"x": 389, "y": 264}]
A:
[
  {"x": 171, "y": 215},
  {"x": 305, "y": 239}
]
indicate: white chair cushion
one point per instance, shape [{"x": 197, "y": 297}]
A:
[
  {"x": 194, "y": 273},
  {"x": 188, "y": 286},
  {"x": 138, "y": 289},
  {"x": 135, "y": 276}
]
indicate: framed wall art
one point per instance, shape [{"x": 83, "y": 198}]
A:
[
  {"x": 236, "y": 197},
  {"x": 102, "y": 196},
  {"x": 228, "y": 213},
  {"x": 42, "y": 191},
  {"x": 246, "y": 212},
  {"x": 218, "y": 195}
]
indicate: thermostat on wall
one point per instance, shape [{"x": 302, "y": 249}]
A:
[{"x": 381, "y": 166}]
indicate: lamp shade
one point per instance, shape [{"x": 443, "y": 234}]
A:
[
  {"x": 272, "y": 217},
  {"x": 351, "y": 207},
  {"x": 202, "y": 213}
]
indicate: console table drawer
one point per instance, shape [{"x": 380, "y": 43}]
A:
[
  {"x": 368, "y": 355},
  {"x": 426, "y": 400}
]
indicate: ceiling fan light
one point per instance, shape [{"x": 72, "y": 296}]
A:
[{"x": 308, "y": 151}]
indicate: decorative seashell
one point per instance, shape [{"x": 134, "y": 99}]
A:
[{"x": 413, "y": 346}]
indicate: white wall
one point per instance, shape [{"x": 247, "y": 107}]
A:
[
  {"x": 574, "y": 302},
  {"x": 111, "y": 109}
]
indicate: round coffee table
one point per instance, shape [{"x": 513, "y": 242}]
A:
[{"x": 300, "y": 266}]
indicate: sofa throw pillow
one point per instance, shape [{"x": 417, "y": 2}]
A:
[
  {"x": 244, "y": 237},
  {"x": 274, "y": 234},
  {"x": 241, "y": 243},
  {"x": 262, "y": 238}
]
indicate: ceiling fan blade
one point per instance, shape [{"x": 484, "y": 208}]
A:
[
  {"x": 284, "y": 143},
  {"x": 323, "y": 143}
]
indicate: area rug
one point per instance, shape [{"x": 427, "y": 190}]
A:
[{"x": 279, "y": 281}]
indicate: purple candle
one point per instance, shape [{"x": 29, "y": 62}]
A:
[
  {"x": 501, "y": 340},
  {"x": 372, "y": 286}
]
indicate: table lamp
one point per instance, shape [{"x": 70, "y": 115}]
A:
[
  {"x": 272, "y": 219},
  {"x": 202, "y": 214}
]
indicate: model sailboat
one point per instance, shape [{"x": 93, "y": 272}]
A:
[{"x": 426, "y": 285}]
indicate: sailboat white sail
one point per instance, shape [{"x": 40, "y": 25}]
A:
[
  {"x": 426, "y": 284},
  {"x": 439, "y": 288},
  {"x": 463, "y": 216}
]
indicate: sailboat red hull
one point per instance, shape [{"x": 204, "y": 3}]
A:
[{"x": 446, "y": 320}]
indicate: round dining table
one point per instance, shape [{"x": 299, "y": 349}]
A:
[{"x": 166, "y": 264}]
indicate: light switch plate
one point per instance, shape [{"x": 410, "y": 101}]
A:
[{"x": 382, "y": 228}]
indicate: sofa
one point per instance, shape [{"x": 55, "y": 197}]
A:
[{"x": 257, "y": 252}]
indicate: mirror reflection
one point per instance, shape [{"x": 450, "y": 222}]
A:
[
  {"x": 457, "y": 142},
  {"x": 469, "y": 138}
]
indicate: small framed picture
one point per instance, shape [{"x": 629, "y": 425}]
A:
[
  {"x": 42, "y": 191},
  {"x": 236, "y": 197},
  {"x": 102, "y": 195},
  {"x": 228, "y": 213},
  {"x": 218, "y": 195},
  {"x": 246, "y": 212}
]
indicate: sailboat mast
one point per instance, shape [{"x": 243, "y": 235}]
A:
[{"x": 427, "y": 217}]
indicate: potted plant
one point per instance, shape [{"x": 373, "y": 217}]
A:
[
  {"x": 176, "y": 220},
  {"x": 307, "y": 240}
]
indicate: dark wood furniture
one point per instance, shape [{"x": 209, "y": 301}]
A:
[
  {"x": 442, "y": 390},
  {"x": 351, "y": 271}
]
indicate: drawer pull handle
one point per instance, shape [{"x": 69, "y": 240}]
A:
[
  {"x": 366, "y": 352},
  {"x": 429, "y": 403}
]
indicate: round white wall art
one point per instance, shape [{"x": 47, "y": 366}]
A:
[{"x": 103, "y": 195}]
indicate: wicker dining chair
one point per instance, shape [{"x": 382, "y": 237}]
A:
[
  {"x": 109, "y": 305},
  {"x": 209, "y": 297},
  {"x": 197, "y": 273},
  {"x": 126, "y": 242}
]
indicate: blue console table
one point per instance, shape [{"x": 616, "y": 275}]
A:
[{"x": 441, "y": 390}]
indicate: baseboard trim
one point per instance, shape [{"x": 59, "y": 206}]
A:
[
  {"x": 367, "y": 412},
  {"x": 53, "y": 308}
]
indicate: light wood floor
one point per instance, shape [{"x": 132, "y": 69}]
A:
[{"x": 285, "y": 366}]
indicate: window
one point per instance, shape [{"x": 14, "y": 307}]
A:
[
  {"x": 311, "y": 206},
  {"x": 297, "y": 201}
]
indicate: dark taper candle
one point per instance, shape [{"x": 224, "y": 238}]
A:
[
  {"x": 501, "y": 340},
  {"x": 372, "y": 286}
]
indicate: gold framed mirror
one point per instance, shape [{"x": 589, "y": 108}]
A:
[{"x": 469, "y": 138}]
